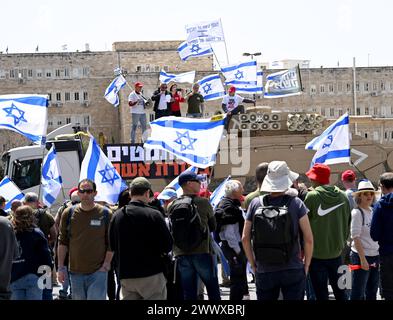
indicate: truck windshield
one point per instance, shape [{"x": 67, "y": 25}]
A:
[{"x": 26, "y": 174}]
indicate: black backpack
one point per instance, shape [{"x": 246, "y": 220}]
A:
[
  {"x": 273, "y": 232},
  {"x": 186, "y": 226}
]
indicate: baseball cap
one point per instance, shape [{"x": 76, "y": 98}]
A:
[
  {"x": 232, "y": 89},
  {"x": 348, "y": 175},
  {"x": 140, "y": 182},
  {"x": 138, "y": 84},
  {"x": 320, "y": 173},
  {"x": 72, "y": 191},
  {"x": 167, "y": 194},
  {"x": 189, "y": 176}
]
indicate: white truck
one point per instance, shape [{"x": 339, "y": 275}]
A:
[{"x": 23, "y": 164}]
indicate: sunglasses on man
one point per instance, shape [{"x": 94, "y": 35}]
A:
[{"x": 88, "y": 191}]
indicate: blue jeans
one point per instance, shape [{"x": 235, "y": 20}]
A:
[
  {"x": 138, "y": 118},
  {"x": 26, "y": 288},
  {"x": 63, "y": 292},
  {"x": 290, "y": 282},
  {"x": 322, "y": 270},
  {"x": 91, "y": 286},
  {"x": 202, "y": 265},
  {"x": 364, "y": 283}
]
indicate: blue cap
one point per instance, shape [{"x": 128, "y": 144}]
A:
[
  {"x": 167, "y": 194},
  {"x": 189, "y": 176}
]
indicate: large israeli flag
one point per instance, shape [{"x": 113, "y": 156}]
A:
[
  {"x": 26, "y": 114},
  {"x": 218, "y": 193},
  {"x": 175, "y": 182},
  {"x": 285, "y": 83},
  {"x": 194, "y": 49},
  {"x": 187, "y": 77},
  {"x": 51, "y": 178},
  {"x": 195, "y": 141},
  {"x": 98, "y": 168},
  {"x": 211, "y": 87},
  {"x": 333, "y": 144},
  {"x": 111, "y": 92},
  {"x": 10, "y": 192},
  {"x": 251, "y": 88},
  {"x": 243, "y": 73}
]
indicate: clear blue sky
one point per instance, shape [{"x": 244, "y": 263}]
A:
[{"x": 325, "y": 32}]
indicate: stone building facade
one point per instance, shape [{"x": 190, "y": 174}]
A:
[{"x": 76, "y": 82}]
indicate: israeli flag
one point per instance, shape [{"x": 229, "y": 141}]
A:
[
  {"x": 218, "y": 193},
  {"x": 333, "y": 144},
  {"x": 243, "y": 73},
  {"x": 194, "y": 49},
  {"x": 98, "y": 168},
  {"x": 10, "y": 192},
  {"x": 175, "y": 182},
  {"x": 211, "y": 87},
  {"x": 187, "y": 138},
  {"x": 111, "y": 92},
  {"x": 285, "y": 83},
  {"x": 51, "y": 178},
  {"x": 26, "y": 114},
  {"x": 206, "y": 31},
  {"x": 251, "y": 88},
  {"x": 187, "y": 77}
]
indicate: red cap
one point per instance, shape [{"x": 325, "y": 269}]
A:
[
  {"x": 138, "y": 84},
  {"x": 232, "y": 89},
  {"x": 320, "y": 173},
  {"x": 204, "y": 193},
  {"x": 156, "y": 194},
  {"x": 72, "y": 191},
  {"x": 348, "y": 175}
]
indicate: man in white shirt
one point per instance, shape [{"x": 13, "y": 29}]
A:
[
  {"x": 137, "y": 102},
  {"x": 231, "y": 104}
]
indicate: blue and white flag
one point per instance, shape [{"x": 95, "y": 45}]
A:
[
  {"x": 211, "y": 87},
  {"x": 251, "y": 88},
  {"x": 175, "y": 182},
  {"x": 195, "y": 141},
  {"x": 51, "y": 178},
  {"x": 333, "y": 144},
  {"x": 194, "y": 49},
  {"x": 26, "y": 114},
  {"x": 187, "y": 77},
  {"x": 111, "y": 92},
  {"x": 218, "y": 193},
  {"x": 207, "y": 31},
  {"x": 98, "y": 168},
  {"x": 243, "y": 73},
  {"x": 285, "y": 83},
  {"x": 10, "y": 192}
]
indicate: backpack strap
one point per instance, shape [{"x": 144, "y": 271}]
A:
[
  {"x": 362, "y": 212},
  {"x": 70, "y": 213}
]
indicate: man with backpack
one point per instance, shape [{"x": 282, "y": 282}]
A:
[
  {"x": 273, "y": 223},
  {"x": 140, "y": 238},
  {"x": 84, "y": 234},
  {"x": 330, "y": 219},
  {"x": 192, "y": 220}
]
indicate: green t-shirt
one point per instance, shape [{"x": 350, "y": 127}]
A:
[
  {"x": 194, "y": 103},
  {"x": 251, "y": 196}
]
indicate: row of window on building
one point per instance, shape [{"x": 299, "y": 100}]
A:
[
  {"x": 84, "y": 120},
  {"x": 27, "y": 73},
  {"x": 334, "y": 112},
  {"x": 375, "y": 87},
  {"x": 58, "y": 97},
  {"x": 375, "y": 135}
]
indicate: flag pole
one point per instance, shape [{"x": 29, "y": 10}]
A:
[
  {"x": 214, "y": 53},
  {"x": 225, "y": 43}
]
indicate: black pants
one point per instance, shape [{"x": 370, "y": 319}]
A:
[
  {"x": 239, "y": 109},
  {"x": 238, "y": 271},
  {"x": 387, "y": 276},
  {"x": 162, "y": 113}
]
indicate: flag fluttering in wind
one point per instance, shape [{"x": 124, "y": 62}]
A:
[
  {"x": 194, "y": 49},
  {"x": 207, "y": 31},
  {"x": 26, "y": 114},
  {"x": 175, "y": 182},
  {"x": 111, "y": 93},
  {"x": 10, "y": 192},
  {"x": 98, "y": 168},
  {"x": 251, "y": 88},
  {"x": 218, "y": 193},
  {"x": 333, "y": 144},
  {"x": 186, "y": 138},
  {"x": 211, "y": 87},
  {"x": 51, "y": 178},
  {"x": 243, "y": 73},
  {"x": 187, "y": 77},
  {"x": 285, "y": 83}
]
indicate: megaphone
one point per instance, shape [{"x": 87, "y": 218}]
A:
[
  {"x": 265, "y": 126},
  {"x": 275, "y": 117},
  {"x": 275, "y": 125},
  {"x": 244, "y": 117},
  {"x": 291, "y": 126}
]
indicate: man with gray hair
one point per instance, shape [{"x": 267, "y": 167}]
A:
[{"x": 230, "y": 222}]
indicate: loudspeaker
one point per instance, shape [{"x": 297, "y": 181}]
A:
[
  {"x": 317, "y": 126},
  {"x": 293, "y": 118},
  {"x": 254, "y": 126},
  {"x": 275, "y": 117},
  {"x": 275, "y": 125},
  {"x": 245, "y": 126},
  {"x": 300, "y": 127},
  {"x": 308, "y": 126},
  {"x": 291, "y": 126},
  {"x": 266, "y": 117},
  {"x": 244, "y": 117},
  {"x": 253, "y": 117},
  {"x": 318, "y": 118},
  {"x": 265, "y": 126},
  {"x": 311, "y": 118}
]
